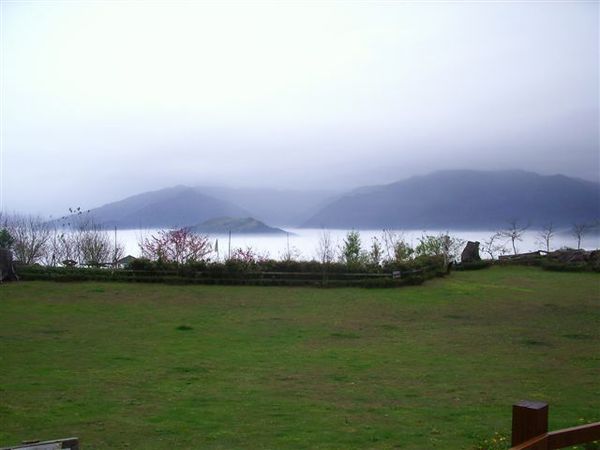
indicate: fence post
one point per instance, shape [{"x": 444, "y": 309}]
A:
[{"x": 529, "y": 419}]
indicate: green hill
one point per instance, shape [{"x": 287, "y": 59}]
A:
[{"x": 246, "y": 225}]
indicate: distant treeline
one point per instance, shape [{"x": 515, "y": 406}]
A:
[{"x": 81, "y": 242}]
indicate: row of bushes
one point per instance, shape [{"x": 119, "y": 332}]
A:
[
  {"x": 558, "y": 266},
  {"x": 232, "y": 265},
  {"x": 545, "y": 262},
  {"x": 279, "y": 273},
  {"x": 475, "y": 265}
]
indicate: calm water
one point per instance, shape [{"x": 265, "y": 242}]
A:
[{"x": 304, "y": 242}]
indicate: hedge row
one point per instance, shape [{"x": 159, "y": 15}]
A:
[
  {"x": 542, "y": 261},
  {"x": 557, "y": 266},
  {"x": 236, "y": 266},
  {"x": 185, "y": 275},
  {"x": 475, "y": 265}
]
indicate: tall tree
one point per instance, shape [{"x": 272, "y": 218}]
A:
[
  {"x": 579, "y": 230},
  {"x": 375, "y": 252},
  {"x": 30, "y": 234},
  {"x": 325, "y": 248},
  {"x": 6, "y": 240},
  {"x": 179, "y": 246},
  {"x": 396, "y": 248},
  {"x": 442, "y": 245},
  {"x": 351, "y": 249},
  {"x": 546, "y": 234},
  {"x": 493, "y": 246},
  {"x": 514, "y": 232}
]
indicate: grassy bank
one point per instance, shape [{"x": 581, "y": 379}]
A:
[{"x": 433, "y": 366}]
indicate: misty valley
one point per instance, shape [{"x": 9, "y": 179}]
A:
[
  {"x": 302, "y": 243},
  {"x": 299, "y": 224},
  {"x": 289, "y": 225}
]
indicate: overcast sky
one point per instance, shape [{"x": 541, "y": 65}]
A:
[{"x": 106, "y": 99}]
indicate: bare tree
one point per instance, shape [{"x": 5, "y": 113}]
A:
[
  {"x": 579, "y": 230},
  {"x": 390, "y": 239},
  {"x": 95, "y": 247},
  {"x": 54, "y": 248},
  {"x": 546, "y": 234},
  {"x": 68, "y": 246},
  {"x": 514, "y": 232},
  {"x": 375, "y": 252},
  {"x": 493, "y": 246},
  {"x": 291, "y": 253},
  {"x": 325, "y": 248},
  {"x": 76, "y": 240},
  {"x": 86, "y": 242},
  {"x": 396, "y": 248},
  {"x": 31, "y": 235},
  {"x": 179, "y": 246}
]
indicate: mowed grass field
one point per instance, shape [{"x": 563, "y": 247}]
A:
[{"x": 162, "y": 367}]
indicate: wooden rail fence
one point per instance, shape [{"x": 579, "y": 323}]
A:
[
  {"x": 530, "y": 429},
  {"x": 58, "y": 444}
]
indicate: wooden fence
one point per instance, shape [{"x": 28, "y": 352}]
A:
[
  {"x": 530, "y": 429},
  {"x": 68, "y": 443},
  {"x": 238, "y": 277}
]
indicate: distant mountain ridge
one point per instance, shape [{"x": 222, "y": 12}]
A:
[
  {"x": 453, "y": 199},
  {"x": 183, "y": 206},
  {"x": 281, "y": 207},
  {"x": 173, "y": 207},
  {"x": 464, "y": 199}
]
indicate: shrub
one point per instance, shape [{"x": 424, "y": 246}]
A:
[{"x": 475, "y": 265}]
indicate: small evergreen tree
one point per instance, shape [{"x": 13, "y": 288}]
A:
[
  {"x": 402, "y": 251},
  {"x": 6, "y": 240},
  {"x": 352, "y": 254}
]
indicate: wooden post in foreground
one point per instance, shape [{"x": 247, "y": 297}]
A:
[{"x": 529, "y": 419}]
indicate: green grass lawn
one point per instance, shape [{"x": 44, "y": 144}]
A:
[{"x": 163, "y": 367}]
